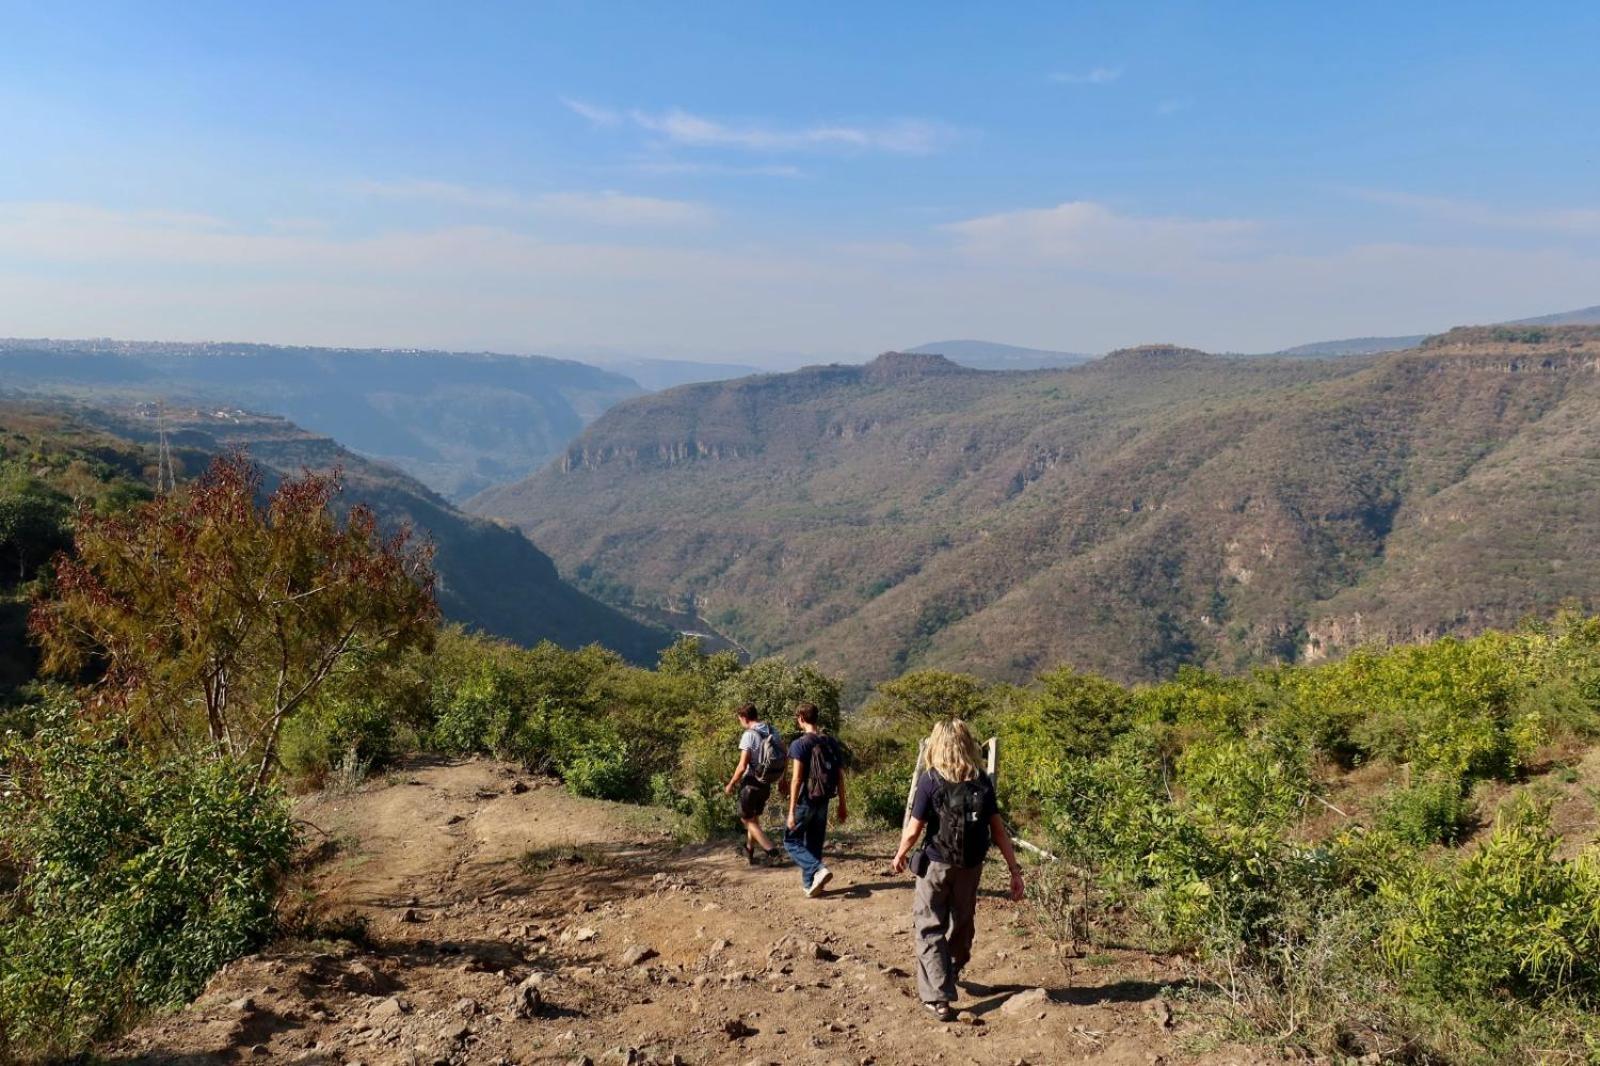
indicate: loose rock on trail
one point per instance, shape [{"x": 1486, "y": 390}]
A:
[{"x": 509, "y": 922}]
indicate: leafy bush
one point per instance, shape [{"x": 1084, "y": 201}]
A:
[
  {"x": 348, "y": 727},
  {"x": 476, "y": 713},
  {"x": 270, "y": 602},
  {"x": 775, "y": 686},
  {"x": 35, "y": 523},
  {"x": 1195, "y": 808},
  {"x": 880, "y": 793},
  {"x": 923, "y": 697},
  {"x": 601, "y": 769},
  {"x": 1447, "y": 706},
  {"x": 708, "y": 813},
  {"x": 1070, "y": 715},
  {"x": 1260, "y": 781},
  {"x": 610, "y": 730},
  {"x": 1432, "y": 810},
  {"x": 137, "y": 881},
  {"x": 1510, "y": 917}
]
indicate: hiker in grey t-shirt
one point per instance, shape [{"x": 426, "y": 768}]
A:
[{"x": 761, "y": 762}]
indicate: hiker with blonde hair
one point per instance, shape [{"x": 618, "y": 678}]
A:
[{"x": 955, "y": 804}]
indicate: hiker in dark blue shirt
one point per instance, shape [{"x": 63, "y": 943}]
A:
[
  {"x": 955, "y": 803},
  {"x": 818, "y": 761},
  {"x": 761, "y": 761}
]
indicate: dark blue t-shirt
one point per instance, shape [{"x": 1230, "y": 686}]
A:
[
  {"x": 800, "y": 751},
  {"x": 924, "y": 809}
]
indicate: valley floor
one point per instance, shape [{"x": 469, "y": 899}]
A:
[{"x": 474, "y": 877}]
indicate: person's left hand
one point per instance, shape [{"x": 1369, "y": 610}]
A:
[
  {"x": 1016, "y": 886},
  {"x": 899, "y": 864},
  {"x": 842, "y": 815},
  {"x": 727, "y": 790}
]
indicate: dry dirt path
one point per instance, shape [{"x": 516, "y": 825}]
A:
[{"x": 479, "y": 883}]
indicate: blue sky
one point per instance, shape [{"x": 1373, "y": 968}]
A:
[{"x": 775, "y": 182}]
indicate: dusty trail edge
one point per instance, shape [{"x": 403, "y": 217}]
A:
[{"x": 509, "y": 922}]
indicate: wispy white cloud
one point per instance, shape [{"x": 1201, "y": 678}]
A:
[
  {"x": 445, "y": 192},
  {"x": 687, "y": 129},
  {"x": 908, "y": 136},
  {"x": 1085, "y": 235},
  {"x": 718, "y": 170},
  {"x": 600, "y": 116},
  {"x": 605, "y": 207},
  {"x": 619, "y": 209},
  {"x": 1172, "y": 105},
  {"x": 1571, "y": 221},
  {"x": 1093, "y": 76}
]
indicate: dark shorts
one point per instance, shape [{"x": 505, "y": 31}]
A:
[{"x": 753, "y": 798}]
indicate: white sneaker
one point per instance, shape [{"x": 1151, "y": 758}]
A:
[{"x": 824, "y": 875}]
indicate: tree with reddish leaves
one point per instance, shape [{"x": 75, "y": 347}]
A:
[{"x": 211, "y": 619}]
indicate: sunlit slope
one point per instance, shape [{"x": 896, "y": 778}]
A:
[{"x": 1156, "y": 507}]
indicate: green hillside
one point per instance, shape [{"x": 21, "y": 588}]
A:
[
  {"x": 491, "y": 577},
  {"x": 49, "y": 465},
  {"x": 456, "y": 421},
  {"x": 1158, "y": 507}
]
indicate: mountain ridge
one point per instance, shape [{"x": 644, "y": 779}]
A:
[
  {"x": 1209, "y": 509},
  {"x": 992, "y": 355}
]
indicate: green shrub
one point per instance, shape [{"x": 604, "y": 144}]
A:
[
  {"x": 1434, "y": 809},
  {"x": 601, "y": 769},
  {"x": 1449, "y": 707},
  {"x": 476, "y": 707},
  {"x": 919, "y": 699},
  {"x": 1260, "y": 781},
  {"x": 879, "y": 795},
  {"x": 775, "y": 685},
  {"x": 345, "y": 729},
  {"x": 708, "y": 813},
  {"x": 653, "y": 711},
  {"x": 1508, "y": 918},
  {"x": 136, "y": 882}
]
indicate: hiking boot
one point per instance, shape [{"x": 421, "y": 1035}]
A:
[
  {"x": 941, "y": 1011},
  {"x": 774, "y": 856},
  {"x": 749, "y": 853},
  {"x": 824, "y": 875}
]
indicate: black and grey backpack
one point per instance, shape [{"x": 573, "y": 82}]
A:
[
  {"x": 768, "y": 761},
  {"x": 963, "y": 835}
]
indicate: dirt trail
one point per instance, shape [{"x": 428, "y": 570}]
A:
[{"x": 478, "y": 882}]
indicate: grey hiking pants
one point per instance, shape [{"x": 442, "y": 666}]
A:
[{"x": 941, "y": 920}]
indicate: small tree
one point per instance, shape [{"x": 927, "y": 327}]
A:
[
  {"x": 687, "y": 657},
  {"x": 33, "y": 527},
  {"x": 775, "y": 685},
  {"x": 215, "y": 619},
  {"x": 923, "y": 697}
]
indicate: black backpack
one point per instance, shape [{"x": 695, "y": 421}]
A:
[
  {"x": 825, "y": 765},
  {"x": 767, "y": 762},
  {"x": 963, "y": 835}
]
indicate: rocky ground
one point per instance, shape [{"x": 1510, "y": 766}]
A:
[{"x": 508, "y": 922}]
